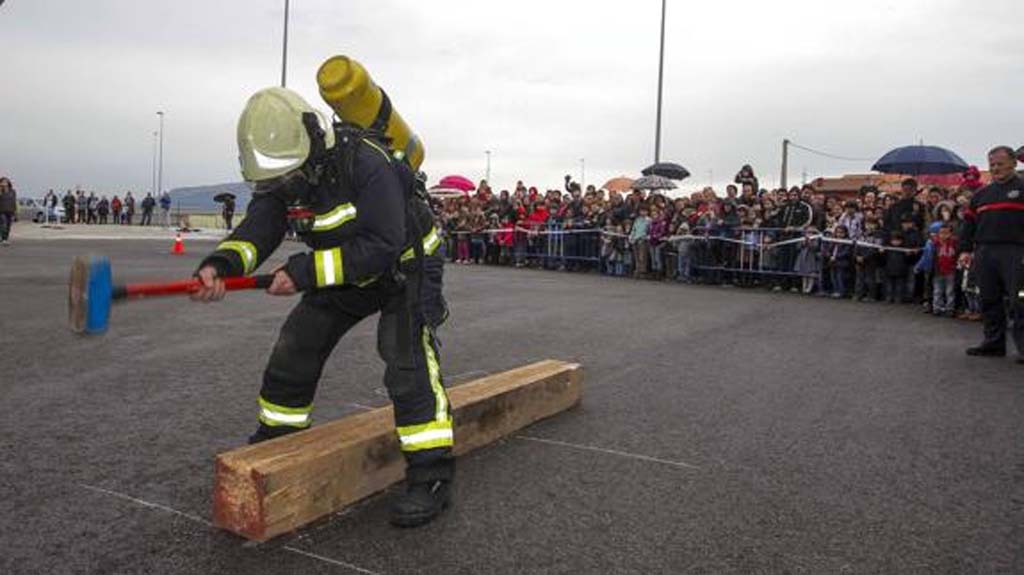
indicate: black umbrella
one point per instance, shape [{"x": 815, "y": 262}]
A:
[
  {"x": 223, "y": 197},
  {"x": 920, "y": 160},
  {"x": 667, "y": 170}
]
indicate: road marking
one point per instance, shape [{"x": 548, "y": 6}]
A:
[
  {"x": 150, "y": 504},
  {"x": 329, "y": 560},
  {"x": 201, "y": 521},
  {"x": 608, "y": 451}
]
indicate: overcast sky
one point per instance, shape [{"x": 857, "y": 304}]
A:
[{"x": 540, "y": 83}]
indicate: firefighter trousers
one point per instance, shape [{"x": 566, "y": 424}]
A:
[
  {"x": 405, "y": 341},
  {"x": 1000, "y": 276}
]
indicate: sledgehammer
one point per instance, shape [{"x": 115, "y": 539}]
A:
[{"x": 91, "y": 290}]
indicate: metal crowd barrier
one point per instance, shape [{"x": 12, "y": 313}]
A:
[{"x": 745, "y": 256}]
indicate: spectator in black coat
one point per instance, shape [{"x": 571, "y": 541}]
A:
[{"x": 897, "y": 268}]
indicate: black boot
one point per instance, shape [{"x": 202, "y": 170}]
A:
[
  {"x": 266, "y": 433},
  {"x": 987, "y": 351},
  {"x": 420, "y": 503}
]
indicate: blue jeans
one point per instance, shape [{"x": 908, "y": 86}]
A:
[
  {"x": 6, "y": 221},
  {"x": 943, "y": 293},
  {"x": 683, "y": 267},
  {"x": 656, "y": 262}
]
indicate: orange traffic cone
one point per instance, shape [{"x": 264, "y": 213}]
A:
[{"x": 179, "y": 246}]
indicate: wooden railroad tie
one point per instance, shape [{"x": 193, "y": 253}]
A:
[{"x": 263, "y": 490}]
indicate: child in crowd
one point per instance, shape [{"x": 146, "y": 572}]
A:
[
  {"x": 867, "y": 260},
  {"x": 944, "y": 272},
  {"x": 897, "y": 267},
  {"x": 911, "y": 240},
  {"x": 612, "y": 244},
  {"x": 655, "y": 236},
  {"x": 462, "y": 237},
  {"x": 839, "y": 260},
  {"x": 505, "y": 240},
  {"x": 684, "y": 252},
  {"x": 639, "y": 243},
  {"x": 972, "y": 301},
  {"x": 808, "y": 265}
]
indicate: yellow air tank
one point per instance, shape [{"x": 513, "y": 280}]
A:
[{"x": 347, "y": 87}]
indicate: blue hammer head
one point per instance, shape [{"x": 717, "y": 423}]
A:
[{"x": 90, "y": 292}]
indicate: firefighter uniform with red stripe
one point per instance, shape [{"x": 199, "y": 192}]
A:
[
  {"x": 363, "y": 261},
  {"x": 994, "y": 232}
]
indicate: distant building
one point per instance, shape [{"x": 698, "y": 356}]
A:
[{"x": 849, "y": 186}]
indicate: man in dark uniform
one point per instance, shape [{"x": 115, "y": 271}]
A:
[
  {"x": 373, "y": 244},
  {"x": 993, "y": 237},
  {"x": 794, "y": 215}
]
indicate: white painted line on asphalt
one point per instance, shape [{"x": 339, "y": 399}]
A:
[
  {"x": 200, "y": 520},
  {"x": 149, "y": 504},
  {"x": 608, "y": 451},
  {"x": 331, "y": 561}
]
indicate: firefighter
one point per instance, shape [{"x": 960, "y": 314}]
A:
[
  {"x": 993, "y": 237},
  {"x": 356, "y": 206}
]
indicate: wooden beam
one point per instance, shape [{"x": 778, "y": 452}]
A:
[{"x": 274, "y": 487}]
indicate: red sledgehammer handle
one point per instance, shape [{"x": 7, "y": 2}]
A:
[{"x": 189, "y": 286}]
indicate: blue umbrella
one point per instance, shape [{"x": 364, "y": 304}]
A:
[{"x": 920, "y": 160}]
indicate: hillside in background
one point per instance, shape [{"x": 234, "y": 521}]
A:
[{"x": 200, "y": 198}]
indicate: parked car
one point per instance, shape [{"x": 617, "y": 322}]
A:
[{"x": 32, "y": 209}]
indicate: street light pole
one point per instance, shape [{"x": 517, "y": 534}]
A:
[
  {"x": 284, "y": 49},
  {"x": 488, "y": 176},
  {"x": 152, "y": 181},
  {"x": 160, "y": 169},
  {"x": 661, "y": 74},
  {"x": 785, "y": 163}
]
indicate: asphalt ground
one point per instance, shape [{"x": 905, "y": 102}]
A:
[{"x": 722, "y": 431}]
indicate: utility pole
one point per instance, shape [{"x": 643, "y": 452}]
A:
[
  {"x": 785, "y": 163},
  {"x": 160, "y": 169},
  {"x": 488, "y": 176},
  {"x": 284, "y": 48},
  {"x": 152, "y": 181},
  {"x": 803, "y": 177},
  {"x": 583, "y": 174},
  {"x": 661, "y": 74}
]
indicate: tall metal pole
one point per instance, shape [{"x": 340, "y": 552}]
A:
[
  {"x": 661, "y": 74},
  {"x": 488, "y": 176},
  {"x": 160, "y": 169},
  {"x": 152, "y": 181},
  {"x": 785, "y": 163},
  {"x": 583, "y": 174},
  {"x": 284, "y": 49}
]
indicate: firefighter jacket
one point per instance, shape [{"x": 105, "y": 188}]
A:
[{"x": 363, "y": 226}]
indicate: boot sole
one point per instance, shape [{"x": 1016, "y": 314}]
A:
[{"x": 409, "y": 521}]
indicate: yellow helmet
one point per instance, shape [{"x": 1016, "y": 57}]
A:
[{"x": 272, "y": 138}]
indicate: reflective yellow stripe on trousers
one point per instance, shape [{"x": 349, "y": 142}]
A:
[
  {"x": 274, "y": 415},
  {"x": 436, "y": 433}
]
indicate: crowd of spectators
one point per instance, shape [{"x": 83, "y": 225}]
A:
[
  {"x": 89, "y": 208},
  {"x": 874, "y": 247}
]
